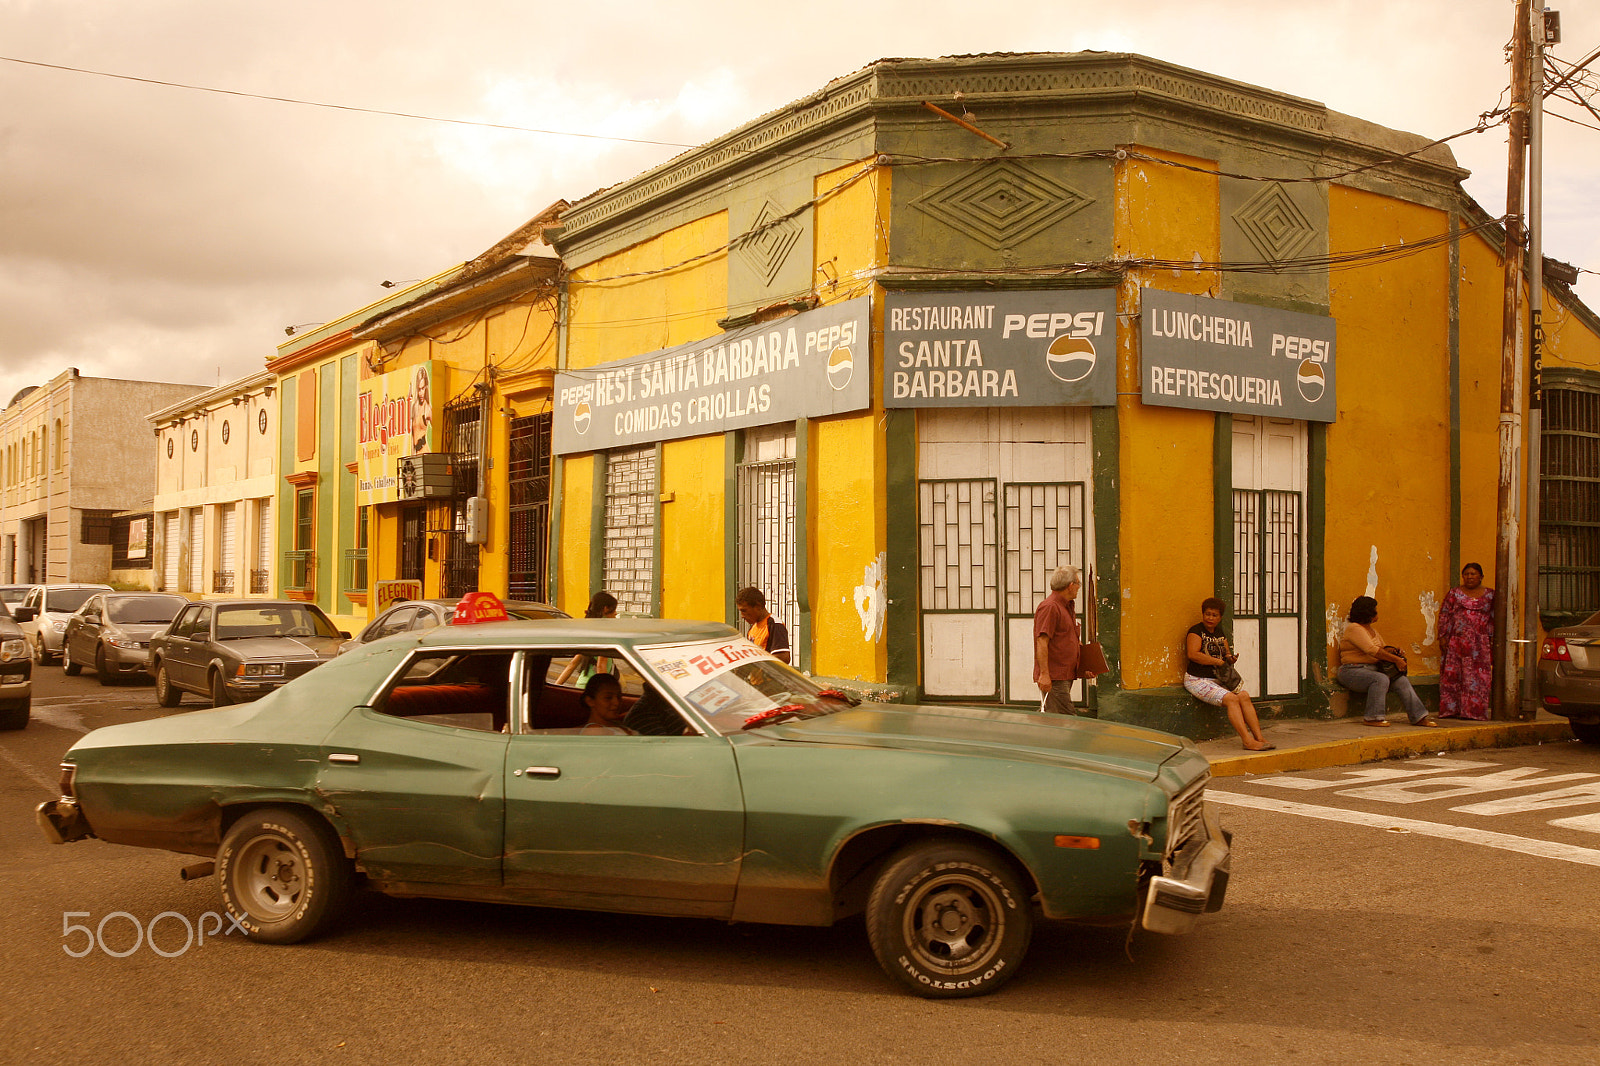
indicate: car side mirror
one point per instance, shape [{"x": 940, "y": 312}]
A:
[
  {"x": 343, "y": 634},
  {"x": 24, "y": 614}
]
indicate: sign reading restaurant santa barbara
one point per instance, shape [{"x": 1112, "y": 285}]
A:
[
  {"x": 1217, "y": 355},
  {"x": 1033, "y": 348},
  {"x": 804, "y": 366}
]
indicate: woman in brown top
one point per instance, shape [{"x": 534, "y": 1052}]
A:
[{"x": 1361, "y": 651}]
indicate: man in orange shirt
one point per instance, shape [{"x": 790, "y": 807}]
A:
[{"x": 766, "y": 632}]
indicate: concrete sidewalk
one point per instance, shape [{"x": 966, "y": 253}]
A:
[{"x": 1312, "y": 743}]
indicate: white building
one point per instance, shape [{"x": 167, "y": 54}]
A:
[
  {"x": 216, "y": 472},
  {"x": 74, "y": 453}
]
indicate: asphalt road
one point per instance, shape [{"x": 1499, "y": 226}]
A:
[{"x": 1404, "y": 925}]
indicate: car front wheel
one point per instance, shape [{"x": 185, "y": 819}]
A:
[
  {"x": 68, "y": 667},
  {"x": 166, "y": 693},
  {"x": 1588, "y": 732},
  {"x": 219, "y": 690},
  {"x": 949, "y": 919},
  {"x": 283, "y": 874},
  {"x": 101, "y": 670},
  {"x": 40, "y": 656}
]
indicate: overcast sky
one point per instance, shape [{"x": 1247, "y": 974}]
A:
[{"x": 164, "y": 233}]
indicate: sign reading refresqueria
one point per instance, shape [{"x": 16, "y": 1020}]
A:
[
  {"x": 1000, "y": 349},
  {"x": 804, "y": 366},
  {"x": 1217, "y": 355}
]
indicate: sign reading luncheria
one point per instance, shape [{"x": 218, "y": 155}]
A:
[{"x": 1217, "y": 355}]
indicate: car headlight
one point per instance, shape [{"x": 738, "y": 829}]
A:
[
  {"x": 58, "y": 626},
  {"x": 13, "y": 649},
  {"x": 123, "y": 642},
  {"x": 261, "y": 670}
]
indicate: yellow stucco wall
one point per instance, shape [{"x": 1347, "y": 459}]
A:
[
  {"x": 1482, "y": 287},
  {"x": 572, "y": 565},
  {"x": 848, "y": 517},
  {"x": 1165, "y": 493},
  {"x": 690, "y": 539},
  {"x": 1388, "y": 470}
]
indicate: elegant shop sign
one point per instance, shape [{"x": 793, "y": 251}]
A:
[
  {"x": 1036, "y": 348},
  {"x": 1217, "y": 355},
  {"x": 804, "y": 366}
]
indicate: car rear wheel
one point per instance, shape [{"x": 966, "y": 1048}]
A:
[
  {"x": 283, "y": 874},
  {"x": 949, "y": 919},
  {"x": 101, "y": 670},
  {"x": 68, "y": 667},
  {"x": 1588, "y": 732},
  {"x": 40, "y": 656},
  {"x": 166, "y": 693},
  {"x": 219, "y": 690}
]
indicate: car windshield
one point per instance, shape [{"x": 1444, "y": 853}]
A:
[
  {"x": 132, "y": 610},
  {"x": 277, "y": 620},
  {"x": 65, "y": 601},
  {"x": 735, "y": 685}
]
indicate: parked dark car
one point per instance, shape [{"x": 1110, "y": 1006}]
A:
[
  {"x": 418, "y": 616},
  {"x": 236, "y": 650},
  {"x": 43, "y": 615},
  {"x": 111, "y": 633},
  {"x": 16, "y": 674},
  {"x": 1569, "y": 676}
]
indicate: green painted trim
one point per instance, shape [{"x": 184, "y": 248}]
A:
[
  {"x": 328, "y": 470},
  {"x": 732, "y": 452},
  {"x": 900, "y": 537},
  {"x": 552, "y": 574},
  {"x": 1312, "y": 688},
  {"x": 1222, "y": 508},
  {"x": 655, "y": 556},
  {"x": 1104, "y": 430},
  {"x": 283, "y": 541},
  {"x": 1455, "y": 396},
  {"x": 801, "y": 641},
  {"x": 597, "y": 529}
]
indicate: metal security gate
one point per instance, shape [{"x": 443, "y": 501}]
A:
[
  {"x": 413, "y": 542},
  {"x": 629, "y": 553},
  {"x": 529, "y": 491},
  {"x": 222, "y": 580},
  {"x": 197, "y": 550},
  {"x": 261, "y": 572},
  {"x": 169, "y": 551},
  {"x": 766, "y": 513},
  {"x": 1268, "y": 528},
  {"x": 1045, "y": 527},
  {"x": 958, "y": 544},
  {"x": 463, "y": 424}
]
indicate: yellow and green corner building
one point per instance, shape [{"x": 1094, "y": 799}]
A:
[{"x": 895, "y": 351}]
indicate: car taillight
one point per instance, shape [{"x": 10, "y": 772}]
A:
[
  {"x": 1555, "y": 648},
  {"x": 69, "y": 771}
]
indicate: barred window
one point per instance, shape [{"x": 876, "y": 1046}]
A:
[
  {"x": 766, "y": 518},
  {"x": 630, "y": 531},
  {"x": 1569, "y": 507},
  {"x": 96, "y": 527}
]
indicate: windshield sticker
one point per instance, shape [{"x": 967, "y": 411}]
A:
[{"x": 687, "y": 667}]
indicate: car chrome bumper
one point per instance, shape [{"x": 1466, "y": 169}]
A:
[
  {"x": 61, "y": 821},
  {"x": 1197, "y": 884}
]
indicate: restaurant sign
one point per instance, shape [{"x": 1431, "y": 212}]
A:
[
  {"x": 1000, "y": 349},
  {"x": 804, "y": 366},
  {"x": 394, "y": 419},
  {"x": 1216, "y": 355}
]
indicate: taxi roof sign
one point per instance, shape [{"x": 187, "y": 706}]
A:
[{"x": 476, "y": 607}]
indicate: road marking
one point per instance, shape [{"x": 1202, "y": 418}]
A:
[
  {"x": 1543, "y": 849},
  {"x": 1438, "y": 788},
  {"x": 53, "y": 787},
  {"x": 1412, "y": 769},
  {"x": 1576, "y": 796}
]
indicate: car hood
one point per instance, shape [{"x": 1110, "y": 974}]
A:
[
  {"x": 135, "y": 630},
  {"x": 1131, "y": 751},
  {"x": 286, "y": 649}
]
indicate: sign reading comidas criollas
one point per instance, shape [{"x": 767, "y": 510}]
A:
[
  {"x": 1217, "y": 355},
  {"x": 1037, "y": 348},
  {"x": 805, "y": 366}
]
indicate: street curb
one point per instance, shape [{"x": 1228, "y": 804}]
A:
[{"x": 1373, "y": 749}]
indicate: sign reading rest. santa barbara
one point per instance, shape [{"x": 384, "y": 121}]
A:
[{"x": 1217, "y": 355}]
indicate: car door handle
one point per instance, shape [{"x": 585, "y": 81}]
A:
[
  {"x": 538, "y": 771},
  {"x": 344, "y": 757}
]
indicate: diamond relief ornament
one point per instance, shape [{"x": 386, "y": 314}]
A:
[
  {"x": 767, "y": 243},
  {"x": 1002, "y": 204},
  {"x": 1274, "y": 224}
]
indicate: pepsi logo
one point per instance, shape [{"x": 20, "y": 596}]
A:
[
  {"x": 1311, "y": 381},
  {"x": 1070, "y": 359},
  {"x": 580, "y": 417},
  {"x": 841, "y": 364}
]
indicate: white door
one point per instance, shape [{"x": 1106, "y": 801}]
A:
[
  {"x": 197, "y": 542},
  {"x": 1269, "y": 492},
  {"x": 227, "y": 548},
  {"x": 169, "y": 551},
  {"x": 261, "y": 581}
]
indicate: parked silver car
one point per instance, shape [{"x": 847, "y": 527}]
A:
[
  {"x": 111, "y": 633},
  {"x": 44, "y": 613},
  {"x": 414, "y": 616}
]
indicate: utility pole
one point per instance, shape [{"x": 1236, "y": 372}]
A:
[
  {"x": 1530, "y": 610},
  {"x": 1504, "y": 700}
]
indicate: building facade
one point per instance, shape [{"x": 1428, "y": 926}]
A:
[
  {"x": 77, "y": 479},
  {"x": 213, "y": 530}
]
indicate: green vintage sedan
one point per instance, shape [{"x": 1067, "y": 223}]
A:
[{"x": 452, "y": 764}]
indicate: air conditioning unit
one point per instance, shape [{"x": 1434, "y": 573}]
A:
[{"x": 427, "y": 476}]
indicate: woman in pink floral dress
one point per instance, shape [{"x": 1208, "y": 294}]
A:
[{"x": 1466, "y": 637}]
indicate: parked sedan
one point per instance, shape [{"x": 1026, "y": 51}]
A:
[
  {"x": 415, "y": 616},
  {"x": 44, "y": 612},
  {"x": 111, "y": 632},
  {"x": 16, "y": 674},
  {"x": 451, "y": 764},
  {"x": 234, "y": 650},
  {"x": 1569, "y": 676}
]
